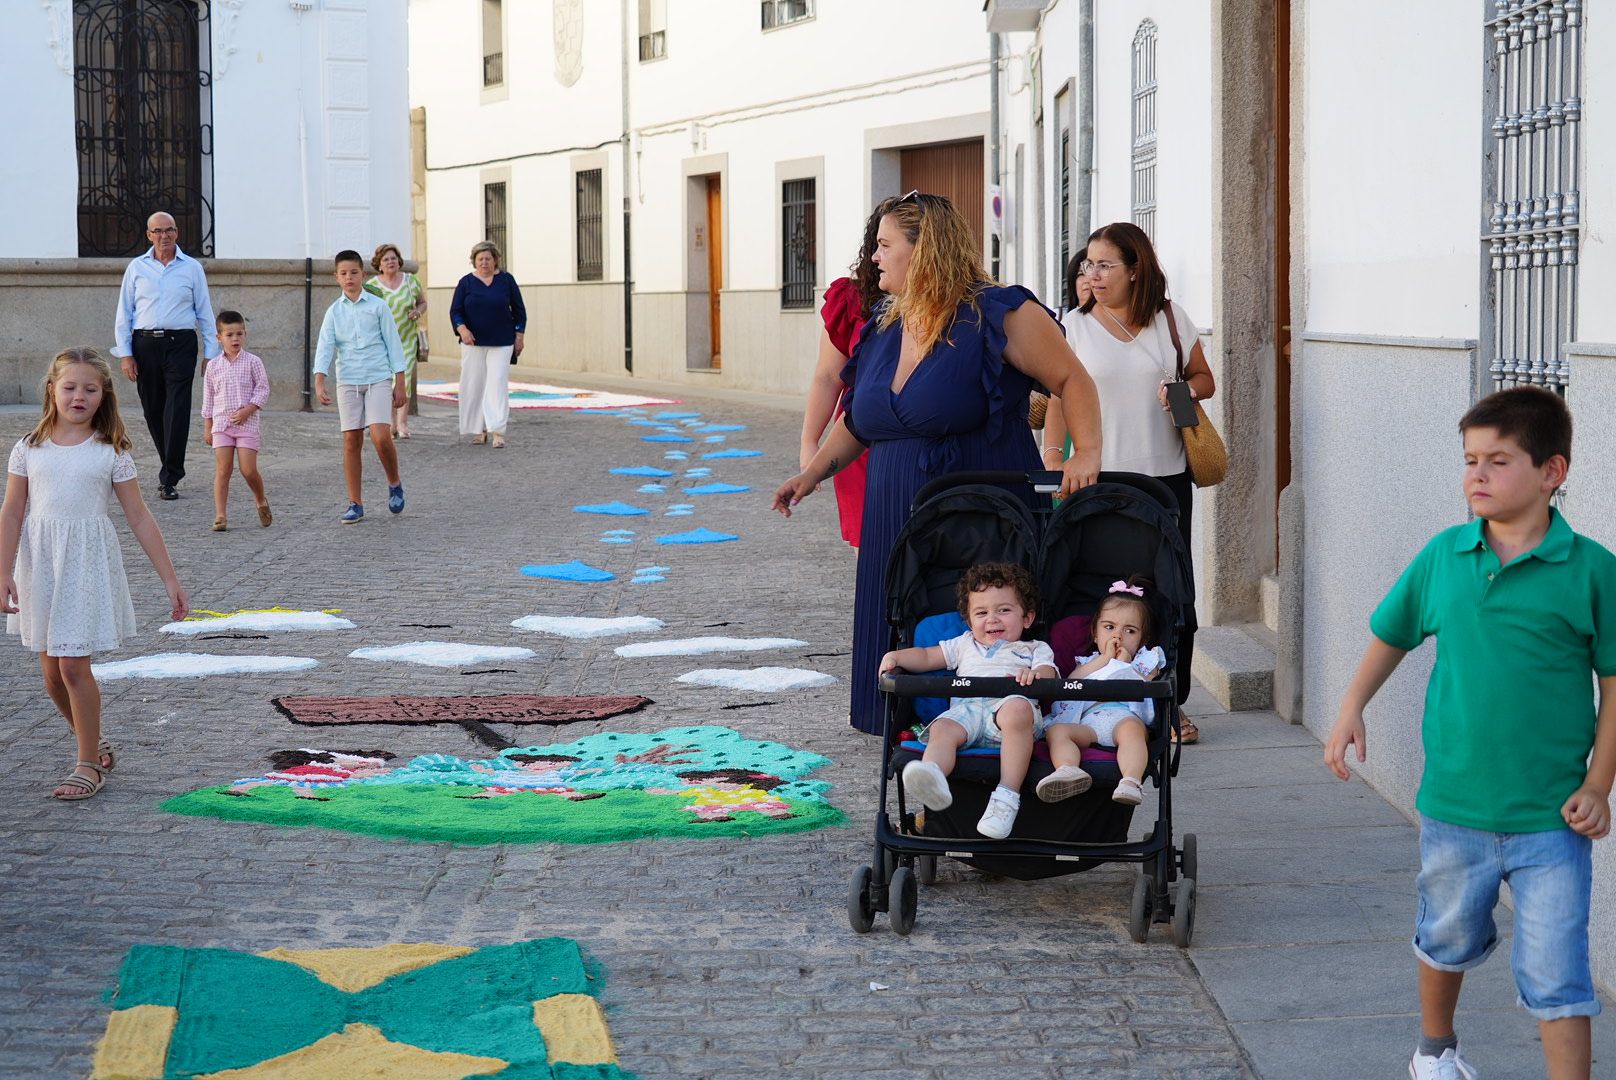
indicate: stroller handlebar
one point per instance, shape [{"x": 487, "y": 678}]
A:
[{"x": 1042, "y": 689}]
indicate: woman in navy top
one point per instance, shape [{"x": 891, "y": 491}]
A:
[
  {"x": 940, "y": 376},
  {"x": 488, "y": 315}
]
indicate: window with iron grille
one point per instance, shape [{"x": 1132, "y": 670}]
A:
[
  {"x": 1063, "y": 209},
  {"x": 591, "y": 257},
  {"x": 778, "y": 13},
  {"x": 799, "y": 255},
  {"x": 1531, "y": 174},
  {"x": 1144, "y": 128},
  {"x": 143, "y": 105},
  {"x": 653, "y": 29},
  {"x": 493, "y": 42},
  {"x": 494, "y": 220}
]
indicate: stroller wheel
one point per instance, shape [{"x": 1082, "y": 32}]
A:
[
  {"x": 1139, "y": 909},
  {"x": 1188, "y": 863},
  {"x": 904, "y": 900},
  {"x": 860, "y": 911},
  {"x": 1184, "y": 912},
  {"x": 926, "y": 869}
]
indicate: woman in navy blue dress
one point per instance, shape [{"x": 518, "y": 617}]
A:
[{"x": 940, "y": 378}]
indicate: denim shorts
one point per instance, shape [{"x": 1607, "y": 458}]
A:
[{"x": 1550, "y": 876}]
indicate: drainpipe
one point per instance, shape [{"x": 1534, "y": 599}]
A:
[
  {"x": 1085, "y": 121},
  {"x": 628, "y": 260},
  {"x": 994, "y": 174}
]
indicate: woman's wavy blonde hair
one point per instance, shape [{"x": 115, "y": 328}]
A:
[
  {"x": 107, "y": 422},
  {"x": 945, "y": 269}
]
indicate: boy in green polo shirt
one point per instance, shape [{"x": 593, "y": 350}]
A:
[{"x": 1523, "y": 610}]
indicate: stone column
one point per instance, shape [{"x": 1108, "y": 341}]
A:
[{"x": 1238, "y": 540}]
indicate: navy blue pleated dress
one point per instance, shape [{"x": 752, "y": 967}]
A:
[{"x": 963, "y": 407}]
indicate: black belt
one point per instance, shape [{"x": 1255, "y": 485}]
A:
[{"x": 164, "y": 333}]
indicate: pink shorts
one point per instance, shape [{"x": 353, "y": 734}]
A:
[{"x": 234, "y": 436}]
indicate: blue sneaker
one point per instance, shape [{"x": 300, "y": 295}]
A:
[
  {"x": 355, "y": 514},
  {"x": 395, "y": 499}
]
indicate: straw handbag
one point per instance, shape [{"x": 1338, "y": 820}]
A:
[
  {"x": 1037, "y": 406},
  {"x": 1204, "y": 451}
]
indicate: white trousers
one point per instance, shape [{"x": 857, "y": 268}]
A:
[{"x": 485, "y": 388}]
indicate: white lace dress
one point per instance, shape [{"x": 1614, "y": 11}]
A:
[{"x": 73, "y": 595}]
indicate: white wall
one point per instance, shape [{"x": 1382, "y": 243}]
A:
[
  {"x": 804, "y": 91},
  {"x": 1393, "y": 141},
  {"x": 350, "y": 56},
  {"x": 39, "y": 171}
]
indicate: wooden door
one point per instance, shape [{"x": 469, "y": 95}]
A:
[
  {"x": 715, "y": 264},
  {"x": 951, "y": 169}
]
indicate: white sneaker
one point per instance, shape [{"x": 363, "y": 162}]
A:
[
  {"x": 1450, "y": 1066},
  {"x": 1000, "y": 816},
  {"x": 1063, "y": 783},
  {"x": 925, "y": 783},
  {"x": 1129, "y": 791}
]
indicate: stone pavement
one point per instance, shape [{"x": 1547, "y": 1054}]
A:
[{"x": 722, "y": 956}]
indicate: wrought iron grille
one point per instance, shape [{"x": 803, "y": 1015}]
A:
[
  {"x": 1533, "y": 91},
  {"x": 798, "y": 252},
  {"x": 494, "y": 220},
  {"x": 1144, "y": 127},
  {"x": 143, "y": 133},
  {"x": 591, "y": 258},
  {"x": 1063, "y": 210}
]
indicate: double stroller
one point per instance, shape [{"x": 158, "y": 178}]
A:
[{"x": 1125, "y": 524}]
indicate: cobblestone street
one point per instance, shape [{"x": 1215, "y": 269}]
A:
[{"x": 720, "y": 957}]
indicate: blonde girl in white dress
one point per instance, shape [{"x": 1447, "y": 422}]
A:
[{"x": 67, "y": 596}]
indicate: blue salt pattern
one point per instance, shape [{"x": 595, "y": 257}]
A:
[
  {"x": 641, "y": 470},
  {"x": 732, "y": 453},
  {"x": 697, "y": 536},
  {"x": 569, "y": 571},
  {"x": 667, "y": 437},
  {"x": 619, "y": 509},
  {"x": 716, "y": 489}
]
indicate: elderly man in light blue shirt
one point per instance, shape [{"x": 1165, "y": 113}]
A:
[
  {"x": 359, "y": 336},
  {"x": 162, "y": 307}
]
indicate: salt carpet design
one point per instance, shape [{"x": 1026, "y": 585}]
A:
[
  {"x": 478, "y": 708},
  {"x": 697, "y": 645},
  {"x": 584, "y": 627},
  {"x": 618, "y": 509},
  {"x": 640, "y": 470},
  {"x": 422, "y": 1011},
  {"x": 442, "y": 653},
  {"x": 197, "y": 665},
  {"x": 263, "y": 620},
  {"x": 568, "y": 571},
  {"x": 697, "y": 536},
  {"x": 732, "y": 453},
  {"x": 525, "y": 395},
  {"x": 761, "y": 679},
  {"x": 614, "y": 786}
]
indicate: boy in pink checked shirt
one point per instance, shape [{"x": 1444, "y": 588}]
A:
[{"x": 234, "y": 388}]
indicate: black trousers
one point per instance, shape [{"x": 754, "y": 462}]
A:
[
  {"x": 1183, "y": 489},
  {"x": 165, "y": 367}
]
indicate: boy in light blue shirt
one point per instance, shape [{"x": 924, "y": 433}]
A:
[{"x": 359, "y": 336}]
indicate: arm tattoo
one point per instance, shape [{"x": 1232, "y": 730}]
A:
[{"x": 834, "y": 466}]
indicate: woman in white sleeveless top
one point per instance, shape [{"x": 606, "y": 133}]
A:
[{"x": 1122, "y": 337}]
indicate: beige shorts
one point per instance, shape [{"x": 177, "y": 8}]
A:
[{"x": 362, "y": 406}]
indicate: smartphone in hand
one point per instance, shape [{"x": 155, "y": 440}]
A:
[{"x": 1181, "y": 404}]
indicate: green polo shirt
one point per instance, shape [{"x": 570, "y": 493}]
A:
[{"x": 1509, "y": 710}]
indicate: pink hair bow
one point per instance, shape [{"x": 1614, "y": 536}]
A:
[{"x": 1123, "y": 586}]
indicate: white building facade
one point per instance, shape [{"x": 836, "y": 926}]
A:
[
  {"x": 751, "y": 141},
  {"x": 272, "y": 131},
  {"x": 1377, "y": 216}
]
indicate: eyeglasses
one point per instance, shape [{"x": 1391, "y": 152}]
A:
[
  {"x": 1098, "y": 267},
  {"x": 163, "y": 232}
]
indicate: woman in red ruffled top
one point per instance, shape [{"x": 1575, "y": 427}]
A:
[{"x": 848, "y": 303}]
